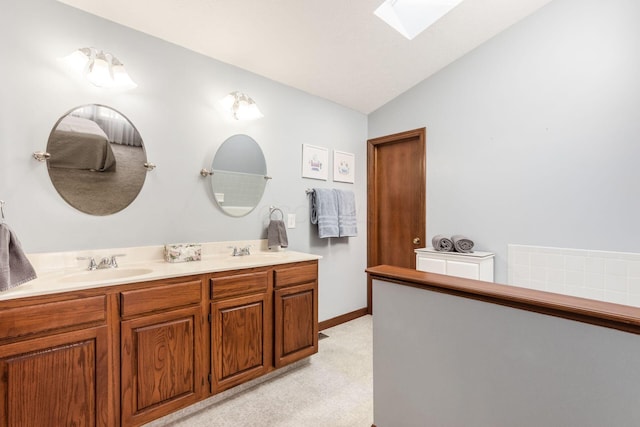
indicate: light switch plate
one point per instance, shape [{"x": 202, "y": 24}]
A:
[{"x": 291, "y": 220}]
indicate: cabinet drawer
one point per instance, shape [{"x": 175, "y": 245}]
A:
[
  {"x": 431, "y": 265},
  {"x": 46, "y": 317},
  {"x": 239, "y": 284},
  {"x": 170, "y": 295},
  {"x": 294, "y": 275},
  {"x": 463, "y": 269}
]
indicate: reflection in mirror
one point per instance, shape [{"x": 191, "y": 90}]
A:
[
  {"x": 97, "y": 160},
  {"x": 239, "y": 175}
]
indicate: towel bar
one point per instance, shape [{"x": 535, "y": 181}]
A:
[{"x": 207, "y": 172}]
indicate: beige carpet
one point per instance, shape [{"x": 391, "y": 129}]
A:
[
  {"x": 103, "y": 193},
  {"x": 334, "y": 390}
]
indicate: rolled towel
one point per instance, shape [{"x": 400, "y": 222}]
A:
[
  {"x": 462, "y": 244},
  {"x": 442, "y": 243}
]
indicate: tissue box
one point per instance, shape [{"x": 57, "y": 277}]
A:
[{"x": 183, "y": 252}]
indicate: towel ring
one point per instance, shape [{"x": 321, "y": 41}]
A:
[{"x": 272, "y": 210}]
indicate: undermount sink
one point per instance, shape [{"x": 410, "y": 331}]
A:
[{"x": 106, "y": 274}]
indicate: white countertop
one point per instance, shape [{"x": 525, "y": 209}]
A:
[{"x": 62, "y": 272}]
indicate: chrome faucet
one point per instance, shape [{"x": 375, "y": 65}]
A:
[
  {"x": 106, "y": 262},
  {"x": 92, "y": 262},
  {"x": 240, "y": 251}
]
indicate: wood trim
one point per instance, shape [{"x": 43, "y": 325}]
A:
[
  {"x": 343, "y": 318},
  {"x": 609, "y": 315}
]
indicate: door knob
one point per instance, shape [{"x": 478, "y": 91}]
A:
[{"x": 416, "y": 240}]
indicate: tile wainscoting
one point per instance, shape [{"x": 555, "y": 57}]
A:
[{"x": 600, "y": 275}]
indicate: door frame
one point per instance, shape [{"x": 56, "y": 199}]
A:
[{"x": 372, "y": 202}]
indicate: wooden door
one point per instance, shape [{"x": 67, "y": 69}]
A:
[
  {"x": 160, "y": 369},
  {"x": 239, "y": 337},
  {"x": 296, "y": 323},
  {"x": 56, "y": 381},
  {"x": 396, "y": 199}
]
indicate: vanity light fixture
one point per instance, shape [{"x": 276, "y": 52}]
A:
[
  {"x": 241, "y": 106},
  {"x": 411, "y": 17},
  {"x": 101, "y": 68}
]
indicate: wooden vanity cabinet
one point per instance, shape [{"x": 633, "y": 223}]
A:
[
  {"x": 295, "y": 312},
  {"x": 55, "y": 362},
  {"x": 162, "y": 351},
  {"x": 241, "y": 331},
  {"x": 128, "y": 354}
]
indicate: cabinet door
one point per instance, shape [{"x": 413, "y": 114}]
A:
[
  {"x": 240, "y": 337},
  {"x": 61, "y": 380},
  {"x": 296, "y": 323},
  {"x": 160, "y": 364}
]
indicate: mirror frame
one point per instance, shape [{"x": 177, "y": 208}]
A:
[
  {"x": 237, "y": 172},
  {"x": 91, "y": 177}
]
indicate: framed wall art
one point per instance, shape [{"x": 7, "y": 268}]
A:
[
  {"x": 343, "y": 166},
  {"x": 315, "y": 162}
]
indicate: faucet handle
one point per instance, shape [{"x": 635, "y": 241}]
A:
[
  {"x": 114, "y": 263},
  {"x": 92, "y": 261}
]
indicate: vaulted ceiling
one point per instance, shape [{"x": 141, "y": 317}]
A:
[{"x": 335, "y": 49}]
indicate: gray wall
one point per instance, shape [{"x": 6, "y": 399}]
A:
[
  {"x": 175, "y": 108},
  {"x": 532, "y": 138},
  {"x": 477, "y": 364}
]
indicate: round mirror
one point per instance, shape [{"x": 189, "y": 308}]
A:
[
  {"x": 97, "y": 160},
  {"x": 239, "y": 175}
]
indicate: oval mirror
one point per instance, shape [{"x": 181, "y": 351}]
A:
[
  {"x": 97, "y": 159},
  {"x": 239, "y": 175}
]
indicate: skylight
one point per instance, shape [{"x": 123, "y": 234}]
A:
[{"x": 411, "y": 17}]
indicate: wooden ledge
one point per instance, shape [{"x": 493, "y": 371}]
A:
[{"x": 609, "y": 315}]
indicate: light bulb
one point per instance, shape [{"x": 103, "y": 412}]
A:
[{"x": 99, "y": 73}]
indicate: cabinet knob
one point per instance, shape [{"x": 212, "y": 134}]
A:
[{"x": 416, "y": 240}]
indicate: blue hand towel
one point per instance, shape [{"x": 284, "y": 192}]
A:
[
  {"x": 15, "y": 268},
  {"x": 324, "y": 212},
  {"x": 347, "y": 223}
]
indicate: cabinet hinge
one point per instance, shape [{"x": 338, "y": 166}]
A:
[
  {"x": 209, "y": 317},
  {"x": 209, "y": 378}
]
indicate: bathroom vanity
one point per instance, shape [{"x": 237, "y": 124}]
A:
[{"x": 129, "y": 350}]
